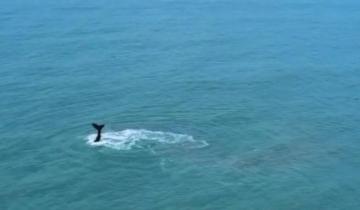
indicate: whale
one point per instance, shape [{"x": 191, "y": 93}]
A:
[{"x": 98, "y": 129}]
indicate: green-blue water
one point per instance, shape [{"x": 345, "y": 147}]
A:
[{"x": 208, "y": 104}]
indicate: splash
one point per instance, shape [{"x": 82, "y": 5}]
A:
[{"x": 138, "y": 138}]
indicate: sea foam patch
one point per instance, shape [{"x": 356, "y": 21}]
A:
[{"x": 139, "y": 138}]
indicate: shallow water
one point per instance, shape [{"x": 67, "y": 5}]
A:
[{"x": 208, "y": 104}]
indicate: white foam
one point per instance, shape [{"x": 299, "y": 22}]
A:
[{"x": 137, "y": 138}]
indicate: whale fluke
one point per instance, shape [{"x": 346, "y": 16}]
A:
[{"x": 98, "y": 128}]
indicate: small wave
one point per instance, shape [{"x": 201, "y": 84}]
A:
[{"x": 139, "y": 138}]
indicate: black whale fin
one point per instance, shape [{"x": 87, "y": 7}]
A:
[{"x": 97, "y": 127}]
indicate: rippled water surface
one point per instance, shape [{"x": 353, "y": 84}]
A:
[{"x": 208, "y": 104}]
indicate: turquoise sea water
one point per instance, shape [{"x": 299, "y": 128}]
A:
[{"x": 208, "y": 104}]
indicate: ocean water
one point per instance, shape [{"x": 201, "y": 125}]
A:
[{"x": 208, "y": 104}]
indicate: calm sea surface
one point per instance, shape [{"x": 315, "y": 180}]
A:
[{"x": 208, "y": 104}]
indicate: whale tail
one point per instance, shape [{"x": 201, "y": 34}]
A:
[{"x": 98, "y": 128}]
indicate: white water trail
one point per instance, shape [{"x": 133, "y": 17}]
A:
[{"x": 138, "y": 138}]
